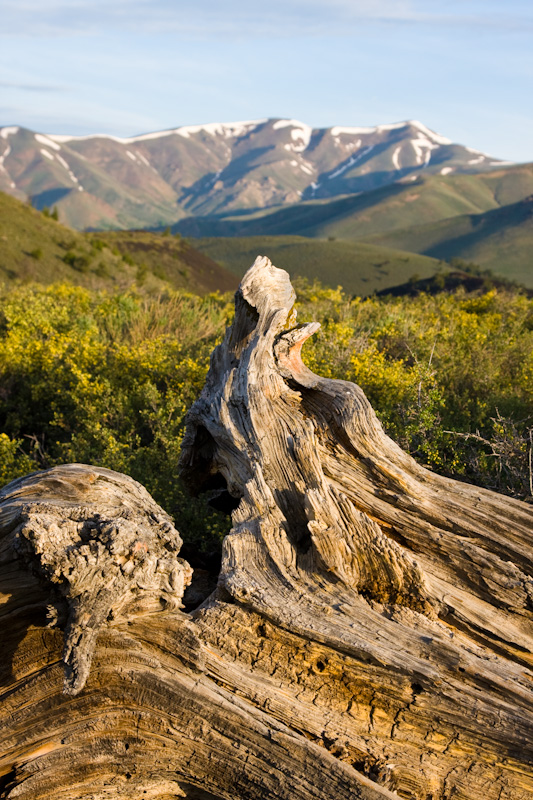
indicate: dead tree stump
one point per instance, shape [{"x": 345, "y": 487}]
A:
[{"x": 370, "y": 636}]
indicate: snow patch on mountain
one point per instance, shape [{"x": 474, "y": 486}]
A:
[
  {"x": 4, "y": 156},
  {"x": 436, "y": 138},
  {"x": 351, "y": 162},
  {"x": 347, "y": 145},
  {"x": 64, "y": 164},
  {"x": 446, "y": 170},
  {"x": 396, "y": 126},
  {"x": 145, "y": 160},
  {"x": 395, "y": 160},
  {"x": 423, "y": 147},
  {"x": 47, "y": 154},
  {"x": 339, "y": 131},
  {"x": 286, "y": 123},
  {"x": 2, "y": 167},
  {"x": 300, "y": 133},
  {"x": 47, "y": 141},
  {"x": 226, "y": 129},
  {"x": 62, "y": 138},
  {"x": 481, "y": 156},
  {"x": 9, "y": 131}
]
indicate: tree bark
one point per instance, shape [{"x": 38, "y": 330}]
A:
[{"x": 370, "y": 636}]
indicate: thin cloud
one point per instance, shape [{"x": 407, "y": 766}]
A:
[
  {"x": 238, "y": 18},
  {"x": 31, "y": 87}
]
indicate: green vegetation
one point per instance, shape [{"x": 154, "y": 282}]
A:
[
  {"x": 106, "y": 379},
  {"x": 499, "y": 240},
  {"x": 449, "y": 375},
  {"x": 360, "y": 268},
  {"x": 34, "y": 246}
]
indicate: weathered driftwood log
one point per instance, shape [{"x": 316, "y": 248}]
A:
[{"x": 370, "y": 636}]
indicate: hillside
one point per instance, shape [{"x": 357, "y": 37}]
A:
[
  {"x": 500, "y": 240},
  {"x": 427, "y": 199},
  {"x": 159, "y": 178},
  {"x": 450, "y": 282},
  {"x": 358, "y": 267},
  {"x": 35, "y": 247}
]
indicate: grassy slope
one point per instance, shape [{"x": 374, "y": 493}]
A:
[
  {"x": 500, "y": 240},
  {"x": 170, "y": 259},
  {"x": 34, "y": 247},
  {"x": 359, "y": 268}
]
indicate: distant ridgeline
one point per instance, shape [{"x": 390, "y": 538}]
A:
[
  {"x": 399, "y": 186},
  {"x": 159, "y": 178}
]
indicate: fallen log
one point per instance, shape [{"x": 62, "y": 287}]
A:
[{"x": 370, "y": 635}]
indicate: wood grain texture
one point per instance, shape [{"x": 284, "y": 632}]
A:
[{"x": 370, "y": 636}]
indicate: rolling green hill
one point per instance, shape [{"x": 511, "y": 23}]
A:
[
  {"x": 500, "y": 240},
  {"x": 358, "y": 267},
  {"x": 35, "y": 247}
]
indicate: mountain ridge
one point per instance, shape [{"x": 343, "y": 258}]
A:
[{"x": 158, "y": 178}]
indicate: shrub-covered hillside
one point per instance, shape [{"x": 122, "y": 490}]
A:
[
  {"x": 107, "y": 378},
  {"x": 34, "y": 246}
]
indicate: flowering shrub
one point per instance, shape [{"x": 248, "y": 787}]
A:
[
  {"x": 107, "y": 379},
  {"x": 436, "y": 368}
]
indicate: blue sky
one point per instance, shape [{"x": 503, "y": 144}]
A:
[{"x": 463, "y": 67}]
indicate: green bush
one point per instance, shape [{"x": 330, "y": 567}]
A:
[
  {"x": 142, "y": 272},
  {"x": 78, "y": 261},
  {"x": 107, "y": 380},
  {"x": 436, "y": 368}
]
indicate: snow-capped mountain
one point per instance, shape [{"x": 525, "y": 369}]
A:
[{"x": 159, "y": 178}]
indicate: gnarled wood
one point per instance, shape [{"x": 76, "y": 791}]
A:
[{"x": 370, "y": 635}]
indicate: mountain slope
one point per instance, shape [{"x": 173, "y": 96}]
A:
[
  {"x": 500, "y": 239},
  {"x": 159, "y": 178},
  {"x": 34, "y": 247},
  {"x": 427, "y": 199},
  {"x": 358, "y": 267}
]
